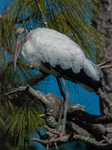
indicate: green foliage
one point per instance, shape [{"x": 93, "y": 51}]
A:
[
  {"x": 23, "y": 122},
  {"x": 19, "y": 112}
]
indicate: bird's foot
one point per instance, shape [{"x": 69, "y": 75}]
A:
[
  {"x": 47, "y": 147},
  {"x": 55, "y": 136},
  {"x": 61, "y": 134}
]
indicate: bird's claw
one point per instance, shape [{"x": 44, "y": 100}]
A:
[
  {"x": 47, "y": 147},
  {"x": 61, "y": 134}
]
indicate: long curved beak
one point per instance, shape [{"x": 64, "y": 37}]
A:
[{"x": 17, "y": 51}]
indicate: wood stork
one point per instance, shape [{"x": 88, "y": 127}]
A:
[{"x": 54, "y": 53}]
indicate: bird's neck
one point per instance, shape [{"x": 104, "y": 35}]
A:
[{"x": 24, "y": 39}]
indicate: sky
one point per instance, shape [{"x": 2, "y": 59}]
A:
[{"x": 2, "y": 6}]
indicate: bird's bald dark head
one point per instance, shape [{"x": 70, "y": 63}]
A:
[
  {"x": 21, "y": 37},
  {"x": 21, "y": 32}
]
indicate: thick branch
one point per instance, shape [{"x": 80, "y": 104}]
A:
[
  {"x": 78, "y": 130},
  {"x": 37, "y": 94},
  {"x": 93, "y": 142},
  {"x": 84, "y": 116},
  {"x": 105, "y": 99},
  {"x": 75, "y": 137},
  {"x": 96, "y": 130}
]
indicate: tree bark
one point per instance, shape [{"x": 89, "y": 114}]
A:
[{"x": 104, "y": 25}]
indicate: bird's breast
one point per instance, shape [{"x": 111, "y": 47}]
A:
[{"x": 30, "y": 55}]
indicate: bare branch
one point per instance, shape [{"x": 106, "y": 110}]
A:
[
  {"x": 84, "y": 116},
  {"x": 31, "y": 28},
  {"x": 106, "y": 66},
  {"x": 75, "y": 137},
  {"x": 42, "y": 15},
  {"x": 37, "y": 94},
  {"x": 78, "y": 130},
  {"x": 19, "y": 89},
  {"x": 63, "y": 139},
  {"x": 92, "y": 141},
  {"x": 105, "y": 99},
  {"x": 105, "y": 62}
]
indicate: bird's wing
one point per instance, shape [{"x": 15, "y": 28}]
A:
[{"x": 55, "y": 49}]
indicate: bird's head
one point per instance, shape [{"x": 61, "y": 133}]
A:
[{"x": 21, "y": 38}]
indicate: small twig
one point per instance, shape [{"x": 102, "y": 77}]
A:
[
  {"x": 31, "y": 28},
  {"x": 106, "y": 139},
  {"x": 105, "y": 62},
  {"x": 42, "y": 116},
  {"x": 106, "y": 66},
  {"x": 20, "y": 89},
  {"x": 42, "y": 15}
]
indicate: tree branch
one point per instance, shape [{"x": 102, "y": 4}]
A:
[
  {"x": 75, "y": 137},
  {"x": 37, "y": 78},
  {"x": 80, "y": 123},
  {"x": 105, "y": 99},
  {"x": 42, "y": 15},
  {"x": 37, "y": 94},
  {"x": 84, "y": 116},
  {"x": 105, "y": 63}
]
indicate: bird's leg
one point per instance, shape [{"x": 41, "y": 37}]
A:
[
  {"x": 64, "y": 97},
  {"x": 60, "y": 114},
  {"x": 62, "y": 102},
  {"x": 67, "y": 96}
]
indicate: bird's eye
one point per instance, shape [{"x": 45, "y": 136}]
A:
[
  {"x": 16, "y": 35},
  {"x": 24, "y": 31}
]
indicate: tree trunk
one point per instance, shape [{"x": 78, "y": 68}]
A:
[{"x": 104, "y": 25}]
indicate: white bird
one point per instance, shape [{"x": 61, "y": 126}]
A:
[{"x": 54, "y": 53}]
